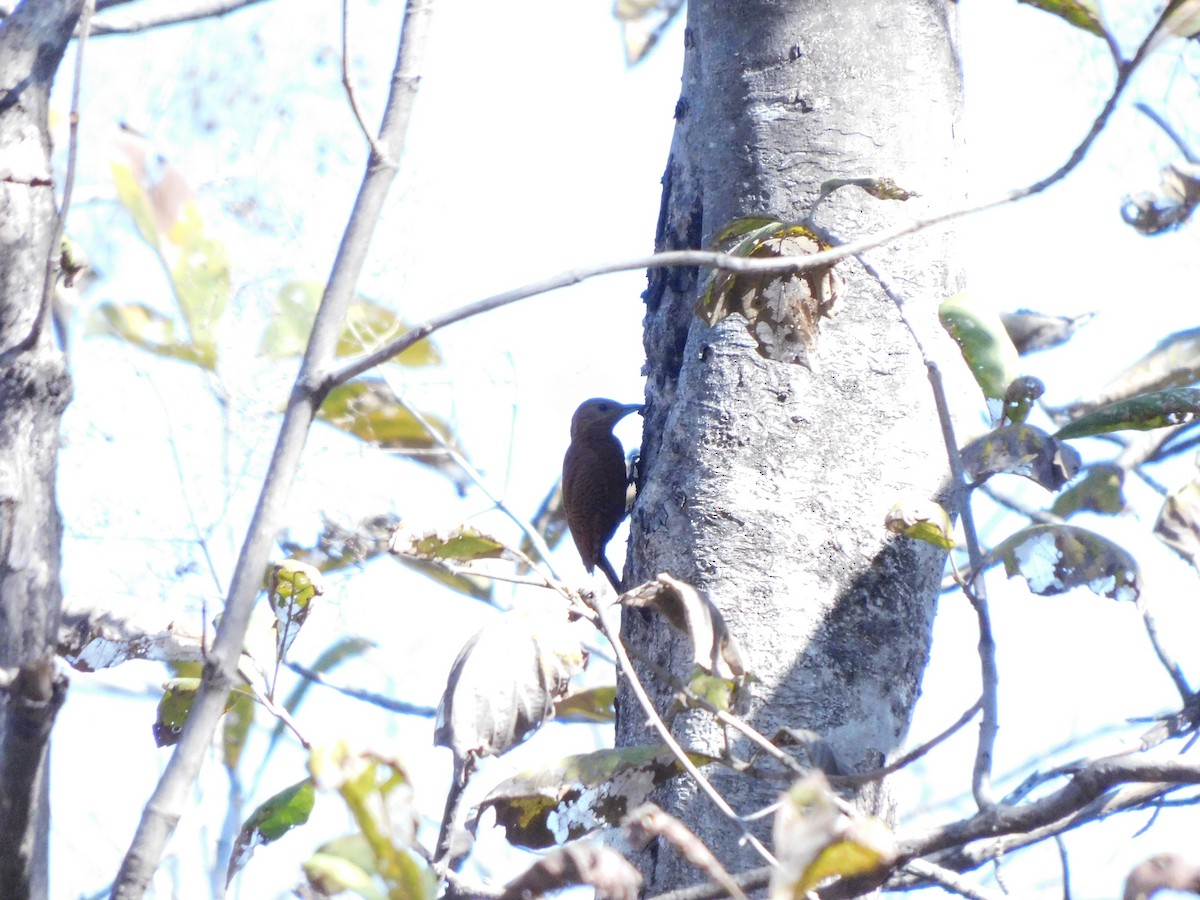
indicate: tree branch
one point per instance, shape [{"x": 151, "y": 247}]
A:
[{"x": 171, "y": 796}]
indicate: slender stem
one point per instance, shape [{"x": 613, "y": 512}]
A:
[
  {"x": 388, "y": 703},
  {"x": 351, "y": 96},
  {"x": 1169, "y": 662},
  {"x": 535, "y": 537},
  {"x": 1152, "y": 114},
  {"x": 950, "y": 880},
  {"x": 612, "y": 631}
]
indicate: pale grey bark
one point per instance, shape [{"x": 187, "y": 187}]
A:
[
  {"x": 34, "y": 390},
  {"x": 766, "y": 484}
]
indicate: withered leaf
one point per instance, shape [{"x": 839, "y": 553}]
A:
[
  {"x": 815, "y": 840},
  {"x": 503, "y": 685},
  {"x": 1178, "y": 524},
  {"x": 581, "y": 793},
  {"x": 1021, "y": 450},
  {"x": 1054, "y": 559},
  {"x": 1033, "y": 331},
  {"x": 587, "y": 863}
]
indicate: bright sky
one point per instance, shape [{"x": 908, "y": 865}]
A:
[{"x": 533, "y": 150}]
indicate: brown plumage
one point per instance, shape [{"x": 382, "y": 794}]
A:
[{"x": 594, "y": 481}]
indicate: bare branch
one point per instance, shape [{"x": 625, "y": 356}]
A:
[
  {"x": 649, "y": 821},
  {"x": 178, "y": 14},
  {"x": 908, "y": 758},
  {"x": 535, "y": 537},
  {"x": 350, "y": 95},
  {"x": 1088, "y": 796},
  {"x": 172, "y": 794},
  {"x": 388, "y": 703},
  {"x": 1168, "y": 661}
]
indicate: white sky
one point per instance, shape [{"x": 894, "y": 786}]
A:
[{"x": 533, "y": 150}]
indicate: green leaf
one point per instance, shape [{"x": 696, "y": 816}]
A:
[
  {"x": 274, "y": 818},
  {"x": 294, "y": 585},
  {"x": 202, "y": 281},
  {"x": 176, "y": 704},
  {"x": 1158, "y": 409},
  {"x": 378, "y": 793},
  {"x": 721, "y": 693},
  {"x": 921, "y": 519},
  {"x": 344, "y": 864},
  {"x": 131, "y": 195},
  {"x": 369, "y": 410},
  {"x": 368, "y": 325},
  {"x": 239, "y": 716},
  {"x": 590, "y": 706},
  {"x": 164, "y": 209},
  {"x": 173, "y": 708},
  {"x": 1100, "y": 490},
  {"x": 138, "y": 324},
  {"x": 1054, "y": 559},
  {"x": 461, "y": 545},
  {"x": 984, "y": 343},
  {"x": 580, "y": 793},
  {"x": 1083, "y": 14}
]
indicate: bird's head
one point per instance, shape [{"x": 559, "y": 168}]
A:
[{"x": 600, "y": 414}]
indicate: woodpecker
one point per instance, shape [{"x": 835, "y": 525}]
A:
[{"x": 594, "y": 481}]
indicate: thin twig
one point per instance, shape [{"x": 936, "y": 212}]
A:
[
  {"x": 535, "y": 537},
  {"x": 950, "y": 880},
  {"x": 278, "y": 712},
  {"x": 197, "y": 11},
  {"x": 976, "y": 591},
  {"x": 1168, "y": 662},
  {"x": 910, "y": 757},
  {"x": 388, "y": 703},
  {"x": 612, "y": 631},
  {"x": 376, "y": 150},
  {"x": 1065, "y": 863},
  {"x": 1148, "y": 111}
]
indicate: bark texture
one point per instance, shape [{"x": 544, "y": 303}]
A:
[
  {"x": 34, "y": 390},
  {"x": 766, "y": 484}
]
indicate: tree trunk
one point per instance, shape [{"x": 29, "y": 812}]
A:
[
  {"x": 766, "y": 484},
  {"x": 34, "y": 389}
]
